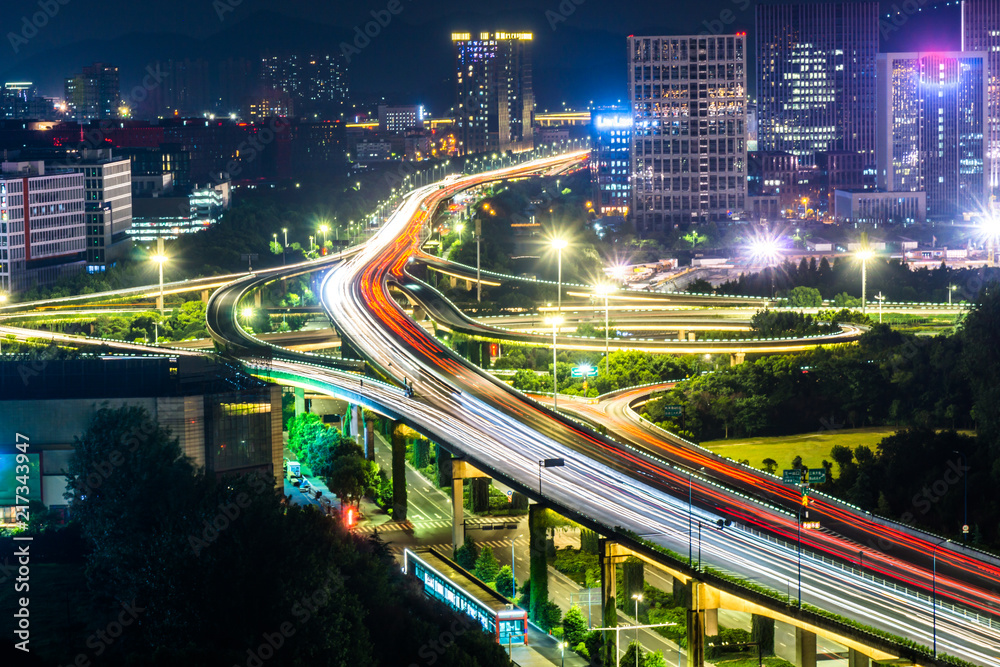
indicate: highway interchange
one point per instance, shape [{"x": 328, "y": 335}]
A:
[{"x": 608, "y": 484}]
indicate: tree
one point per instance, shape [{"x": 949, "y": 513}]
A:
[
  {"x": 694, "y": 238},
  {"x": 487, "y": 566},
  {"x": 633, "y": 579},
  {"x": 633, "y": 655},
  {"x": 574, "y": 626},
  {"x": 589, "y": 541},
  {"x": 466, "y": 555},
  {"x": 762, "y": 631},
  {"x": 350, "y": 478},
  {"x": 655, "y": 659},
  {"x": 505, "y": 581},
  {"x": 770, "y": 465},
  {"x": 805, "y": 297}
]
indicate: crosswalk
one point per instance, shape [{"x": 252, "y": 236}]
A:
[
  {"x": 496, "y": 545},
  {"x": 477, "y": 524}
]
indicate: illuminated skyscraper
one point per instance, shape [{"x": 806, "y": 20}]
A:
[
  {"x": 816, "y": 78},
  {"x": 94, "y": 94},
  {"x": 981, "y": 32},
  {"x": 932, "y": 115},
  {"x": 495, "y": 103},
  {"x": 689, "y": 110},
  {"x": 610, "y": 167}
]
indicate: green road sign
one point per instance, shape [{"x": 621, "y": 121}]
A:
[
  {"x": 673, "y": 410},
  {"x": 792, "y": 476},
  {"x": 802, "y": 476},
  {"x": 583, "y": 372},
  {"x": 817, "y": 475}
]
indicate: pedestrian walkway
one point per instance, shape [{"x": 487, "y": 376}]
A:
[{"x": 482, "y": 523}]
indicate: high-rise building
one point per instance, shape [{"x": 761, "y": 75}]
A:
[
  {"x": 94, "y": 94},
  {"x": 688, "y": 150},
  {"x": 981, "y": 32},
  {"x": 931, "y": 125},
  {"x": 315, "y": 81},
  {"x": 42, "y": 234},
  {"x": 108, "y": 195},
  {"x": 400, "y": 118},
  {"x": 610, "y": 167},
  {"x": 816, "y": 78},
  {"x": 495, "y": 100}
]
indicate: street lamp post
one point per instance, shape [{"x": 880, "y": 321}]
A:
[
  {"x": 559, "y": 245},
  {"x": 965, "y": 466},
  {"x": 951, "y": 288},
  {"x": 864, "y": 255},
  {"x": 880, "y": 299},
  {"x": 638, "y": 598},
  {"x": 324, "y": 229},
  {"x": 160, "y": 259},
  {"x": 605, "y": 289},
  {"x": 562, "y": 659},
  {"x": 555, "y": 322},
  {"x": 934, "y": 596}
]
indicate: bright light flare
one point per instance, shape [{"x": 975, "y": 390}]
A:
[
  {"x": 865, "y": 254},
  {"x": 554, "y": 321},
  {"x": 247, "y": 313},
  {"x": 559, "y": 244},
  {"x": 765, "y": 250},
  {"x": 159, "y": 259}
]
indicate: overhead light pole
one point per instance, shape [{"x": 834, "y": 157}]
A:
[
  {"x": 559, "y": 245},
  {"x": 951, "y": 288},
  {"x": 605, "y": 289},
  {"x": 638, "y": 598},
  {"x": 160, "y": 259},
  {"x": 864, "y": 255},
  {"x": 555, "y": 322}
]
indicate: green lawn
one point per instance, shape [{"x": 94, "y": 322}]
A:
[{"x": 812, "y": 447}]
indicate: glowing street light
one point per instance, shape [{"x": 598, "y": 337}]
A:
[
  {"x": 555, "y": 322},
  {"x": 160, "y": 259},
  {"x": 638, "y": 598},
  {"x": 559, "y": 245},
  {"x": 951, "y": 288},
  {"x": 864, "y": 256},
  {"x": 324, "y": 229}
]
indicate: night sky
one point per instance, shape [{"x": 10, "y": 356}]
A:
[{"x": 576, "y": 60}]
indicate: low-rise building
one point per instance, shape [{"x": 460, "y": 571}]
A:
[
  {"x": 875, "y": 207},
  {"x": 42, "y": 226},
  {"x": 225, "y": 421}
]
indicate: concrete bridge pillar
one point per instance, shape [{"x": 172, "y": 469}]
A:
[
  {"x": 418, "y": 314},
  {"x": 609, "y": 594},
  {"x": 681, "y": 334},
  {"x": 370, "y": 439},
  {"x": 300, "y": 400},
  {"x": 398, "y": 473},
  {"x": 469, "y": 284},
  {"x": 452, "y": 281},
  {"x": 856, "y": 658},
  {"x": 204, "y": 295},
  {"x": 692, "y": 336},
  {"x": 257, "y": 298},
  {"x": 356, "y": 429},
  {"x": 737, "y": 358},
  {"x": 805, "y": 648},
  {"x": 457, "y": 512}
]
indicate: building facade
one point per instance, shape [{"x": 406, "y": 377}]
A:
[
  {"x": 316, "y": 82},
  {"x": 400, "y": 118},
  {"x": 94, "y": 94},
  {"x": 816, "y": 78},
  {"x": 42, "y": 232},
  {"x": 931, "y": 128},
  {"x": 224, "y": 421},
  {"x": 108, "y": 184},
  {"x": 610, "y": 167},
  {"x": 874, "y": 208},
  {"x": 168, "y": 217},
  {"x": 981, "y": 32},
  {"x": 688, "y": 148},
  {"x": 495, "y": 100}
]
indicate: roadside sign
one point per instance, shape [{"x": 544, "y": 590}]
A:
[
  {"x": 793, "y": 476},
  {"x": 583, "y": 372},
  {"x": 553, "y": 463},
  {"x": 803, "y": 475},
  {"x": 673, "y": 410},
  {"x": 965, "y": 529},
  {"x": 510, "y": 496},
  {"x": 817, "y": 475},
  {"x": 810, "y": 525}
]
